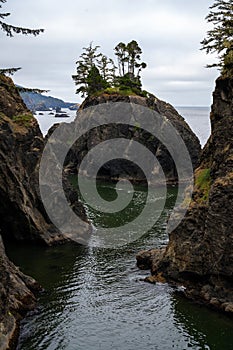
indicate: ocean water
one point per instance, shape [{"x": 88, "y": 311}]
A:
[
  {"x": 95, "y": 299},
  {"x": 196, "y": 117},
  {"x": 46, "y": 120}
]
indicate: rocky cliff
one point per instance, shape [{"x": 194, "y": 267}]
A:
[
  {"x": 16, "y": 298},
  {"x": 118, "y": 168},
  {"x": 21, "y": 145},
  {"x": 22, "y": 213},
  {"x": 200, "y": 251}
]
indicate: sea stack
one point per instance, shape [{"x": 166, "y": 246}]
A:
[{"x": 118, "y": 168}]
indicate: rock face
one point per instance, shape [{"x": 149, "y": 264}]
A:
[
  {"x": 119, "y": 168},
  {"x": 21, "y": 145},
  {"x": 22, "y": 213},
  {"x": 200, "y": 250},
  {"x": 16, "y": 298}
]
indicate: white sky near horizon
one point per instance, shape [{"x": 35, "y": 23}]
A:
[{"x": 168, "y": 31}]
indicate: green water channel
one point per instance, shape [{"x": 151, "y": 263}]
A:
[{"x": 95, "y": 298}]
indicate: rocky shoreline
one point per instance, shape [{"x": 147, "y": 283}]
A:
[{"x": 199, "y": 254}]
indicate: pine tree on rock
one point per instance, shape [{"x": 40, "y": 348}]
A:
[
  {"x": 129, "y": 57},
  {"x": 96, "y": 72},
  {"x": 95, "y": 81},
  {"x": 107, "y": 68},
  {"x": 85, "y": 64},
  {"x": 121, "y": 53}
]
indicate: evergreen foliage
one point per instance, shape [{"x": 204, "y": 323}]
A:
[
  {"x": 129, "y": 56},
  {"x": 95, "y": 81},
  {"x": 37, "y": 91},
  {"x": 9, "y": 71},
  {"x": 10, "y": 30},
  {"x": 220, "y": 38},
  {"x": 96, "y": 72}
]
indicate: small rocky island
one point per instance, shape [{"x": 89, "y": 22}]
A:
[{"x": 119, "y": 168}]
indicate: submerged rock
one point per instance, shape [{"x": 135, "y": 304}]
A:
[{"x": 200, "y": 250}]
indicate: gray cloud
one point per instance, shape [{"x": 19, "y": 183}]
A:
[{"x": 169, "y": 33}]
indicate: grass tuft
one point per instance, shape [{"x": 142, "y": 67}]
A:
[{"x": 23, "y": 119}]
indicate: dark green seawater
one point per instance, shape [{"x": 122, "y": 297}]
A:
[{"x": 94, "y": 298}]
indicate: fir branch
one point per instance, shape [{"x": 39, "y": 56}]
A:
[
  {"x": 9, "y": 29},
  {"x": 24, "y": 89},
  {"x": 3, "y": 15},
  {"x": 9, "y": 71}
]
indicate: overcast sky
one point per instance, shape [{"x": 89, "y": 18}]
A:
[{"x": 168, "y": 31}]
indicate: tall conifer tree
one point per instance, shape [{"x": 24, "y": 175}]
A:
[{"x": 220, "y": 38}]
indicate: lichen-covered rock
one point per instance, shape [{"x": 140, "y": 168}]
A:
[
  {"x": 200, "y": 249},
  {"x": 120, "y": 168}
]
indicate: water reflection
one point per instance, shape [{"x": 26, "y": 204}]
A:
[
  {"x": 95, "y": 299},
  {"x": 209, "y": 330}
]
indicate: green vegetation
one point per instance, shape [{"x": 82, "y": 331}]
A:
[
  {"x": 23, "y": 119},
  {"x": 9, "y": 71},
  {"x": 121, "y": 91},
  {"x": 115, "y": 90},
  {"x": 220, "y": 38},
  {"x": 97, "y": 73},
  {"x": 203, "y": 182}
]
